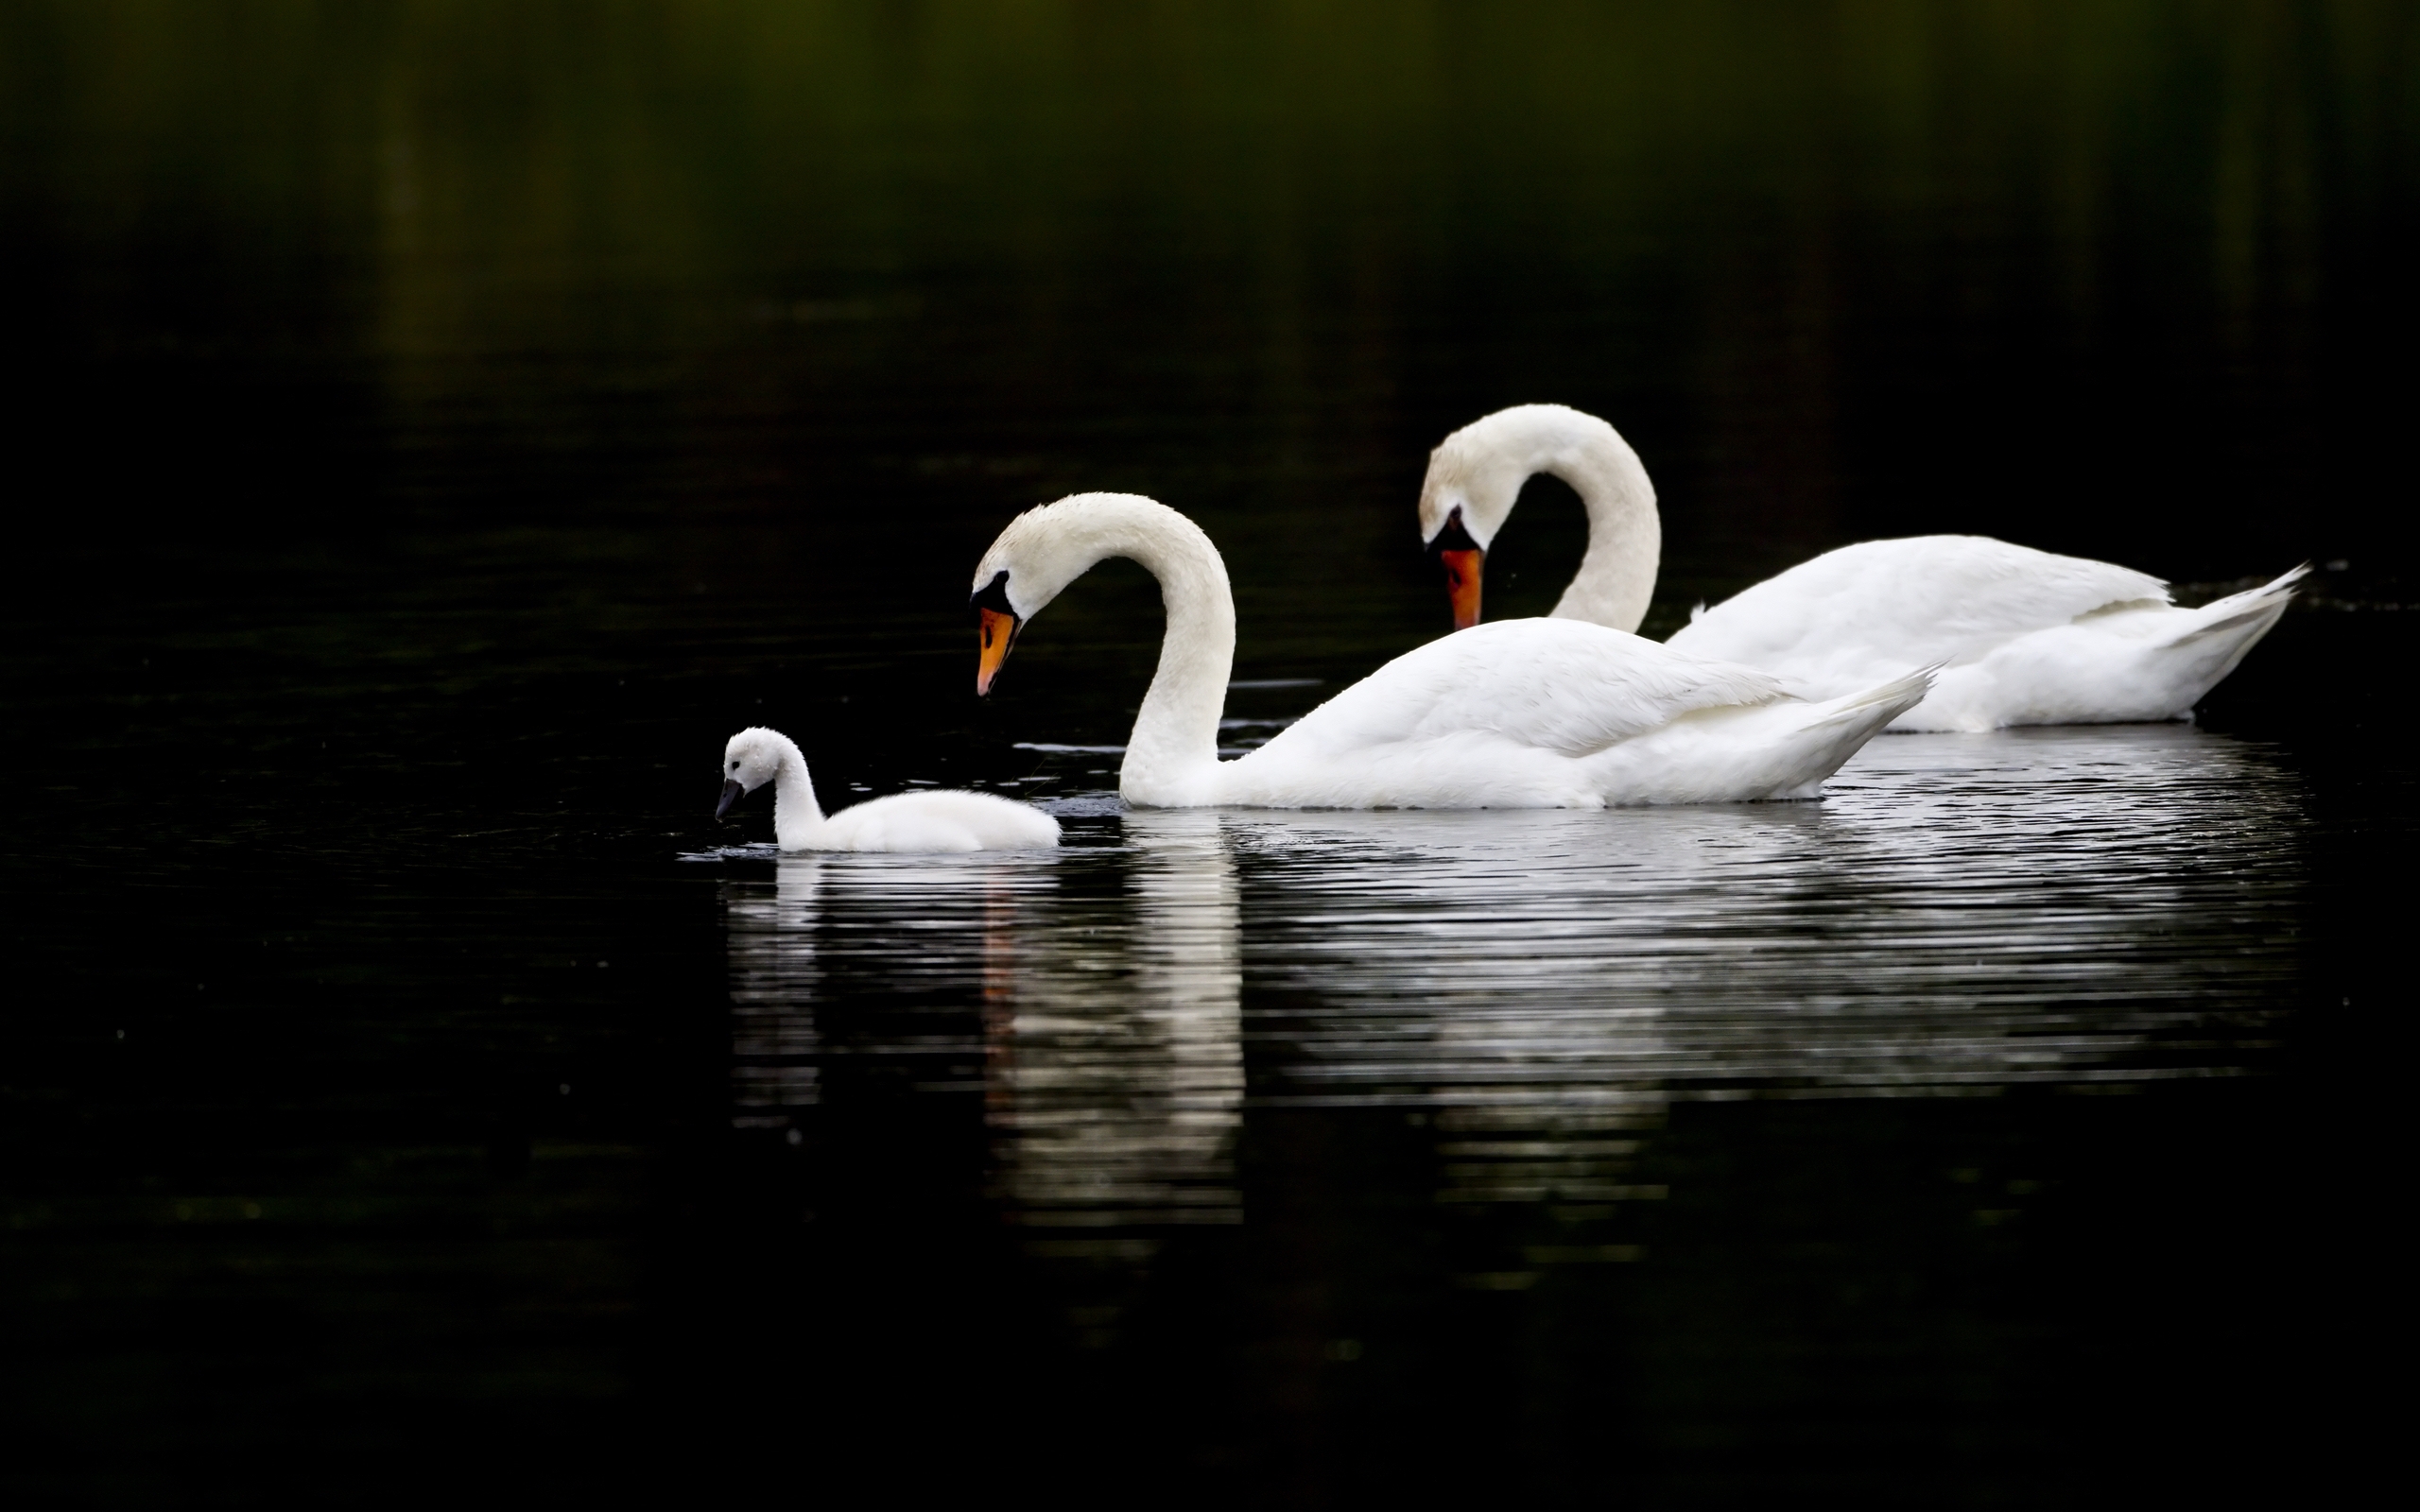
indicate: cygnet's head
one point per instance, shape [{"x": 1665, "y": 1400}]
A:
[
  {"x": 750, "y": 759},
  {"x": 1045, "y": 549},
  {"x": 1475, "y": 474}
]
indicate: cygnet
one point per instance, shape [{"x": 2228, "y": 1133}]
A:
[{"x": 939, "y": 820}]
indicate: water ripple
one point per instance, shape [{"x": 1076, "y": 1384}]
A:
[{"x": 2087, "y": 910}]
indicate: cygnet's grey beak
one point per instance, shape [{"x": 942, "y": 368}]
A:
[{"x": 730, "y": 790}]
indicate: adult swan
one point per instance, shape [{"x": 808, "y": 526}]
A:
[
  {"x": 1521, "y": 714},
  {"x": 2023, "y": 637}
]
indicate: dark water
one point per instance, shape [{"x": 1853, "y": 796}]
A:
[{"x": 434, "y": 428}]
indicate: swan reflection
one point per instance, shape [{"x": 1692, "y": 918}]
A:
[
  {"x": 2085, "y": 908},
  {"x": 1964, "y": 913},
  {"x": 774, "y": 1074},
  {"x": 1115, "y": 1076},
  {"x": 1110, "y": 1056},
  {"x": 2089, "y": 908}
]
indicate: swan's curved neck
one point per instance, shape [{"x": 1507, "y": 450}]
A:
[
  {"x": 1616, "y": 578},
  {"x": 796, "y": 815},
  {"x": 1173, "y": 757}
]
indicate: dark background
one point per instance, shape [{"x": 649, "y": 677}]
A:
[{"x": 432, "y": 426}]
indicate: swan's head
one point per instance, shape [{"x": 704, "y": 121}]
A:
[
  {"x": 750, "y": 759},
  {"x": 1475, "y": 474},
  {"x": 1043, "y": 550}
]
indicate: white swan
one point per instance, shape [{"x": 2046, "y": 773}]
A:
[
  {"x": 944, "y": 819},
  {"x": 1522, "y": 713},
  {"x": 2024, "y": 637}
]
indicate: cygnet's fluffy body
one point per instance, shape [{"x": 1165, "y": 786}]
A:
[{"x": 946, "y": 819}]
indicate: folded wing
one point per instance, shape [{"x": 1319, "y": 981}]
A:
[
  {"x": 1926, "y": 599},
  {"x": 1560, "y": 685}
]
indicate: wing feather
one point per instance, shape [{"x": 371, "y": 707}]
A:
[
  {"x": 1927, "y": 598},
  {"x": 1561, "y": 685}
]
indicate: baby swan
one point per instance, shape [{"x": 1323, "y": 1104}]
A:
[{"x": 920, "y": 822}]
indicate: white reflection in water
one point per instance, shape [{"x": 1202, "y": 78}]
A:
[
  {"x": 1116, "y": 1074},
  {"x": 2087, "y": 908},
  {"x": 1961, "y": 912},
  {"x": 1109, "y": 988},
  {"x": 774, "y": 982},
  {"x": 2091, "y": 908}
]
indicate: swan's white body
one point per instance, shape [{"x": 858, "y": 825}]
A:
[
  {"x": 1522, "y": 713},
  {"x": 944, "y": 819},
  {"x": 2028, "y": 638},
  {"x": 2024, "y": 637}
]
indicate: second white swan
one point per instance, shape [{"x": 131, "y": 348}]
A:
[
  {"x": 2024, "y": 637},
  {"x": 1522, "y": 713}
]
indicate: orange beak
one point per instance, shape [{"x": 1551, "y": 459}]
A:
[
  {"x": 1462, "y": 584},
  {"x": 1000, "y": 632}
]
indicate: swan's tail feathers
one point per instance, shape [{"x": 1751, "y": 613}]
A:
[
  {"x": 1877, "y": 706},
  {"x": 1832, "y": 731},
  {"x": 2250, "y": 613},
  {"x": 2208, "y": 643}
]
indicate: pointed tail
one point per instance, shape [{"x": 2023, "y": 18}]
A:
[
  {"x": 2254, "y": 611},
  {"x": 1832, "y": 731},
  {"x": 1877, "y": 706}
]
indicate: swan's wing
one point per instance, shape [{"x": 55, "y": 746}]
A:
[
  {"x": 1929, "y": 598},
  {"x": 1561, "y": 685}
]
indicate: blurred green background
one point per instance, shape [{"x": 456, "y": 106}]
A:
[{"x": 2123, "y": 278}]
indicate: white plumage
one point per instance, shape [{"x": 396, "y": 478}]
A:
[
  {"x": 1522, "y": 713},
  {"x": 2026, "y": 637},
  {"x": 2023, "y": 637},
  {"x": 940, "y": 821}
]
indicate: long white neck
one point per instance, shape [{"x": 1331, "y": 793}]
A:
[
  {"x": 1173, "y": 757},
  {"x": 796, "y": 815},
  {"x": 1616, "y": 578}
]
